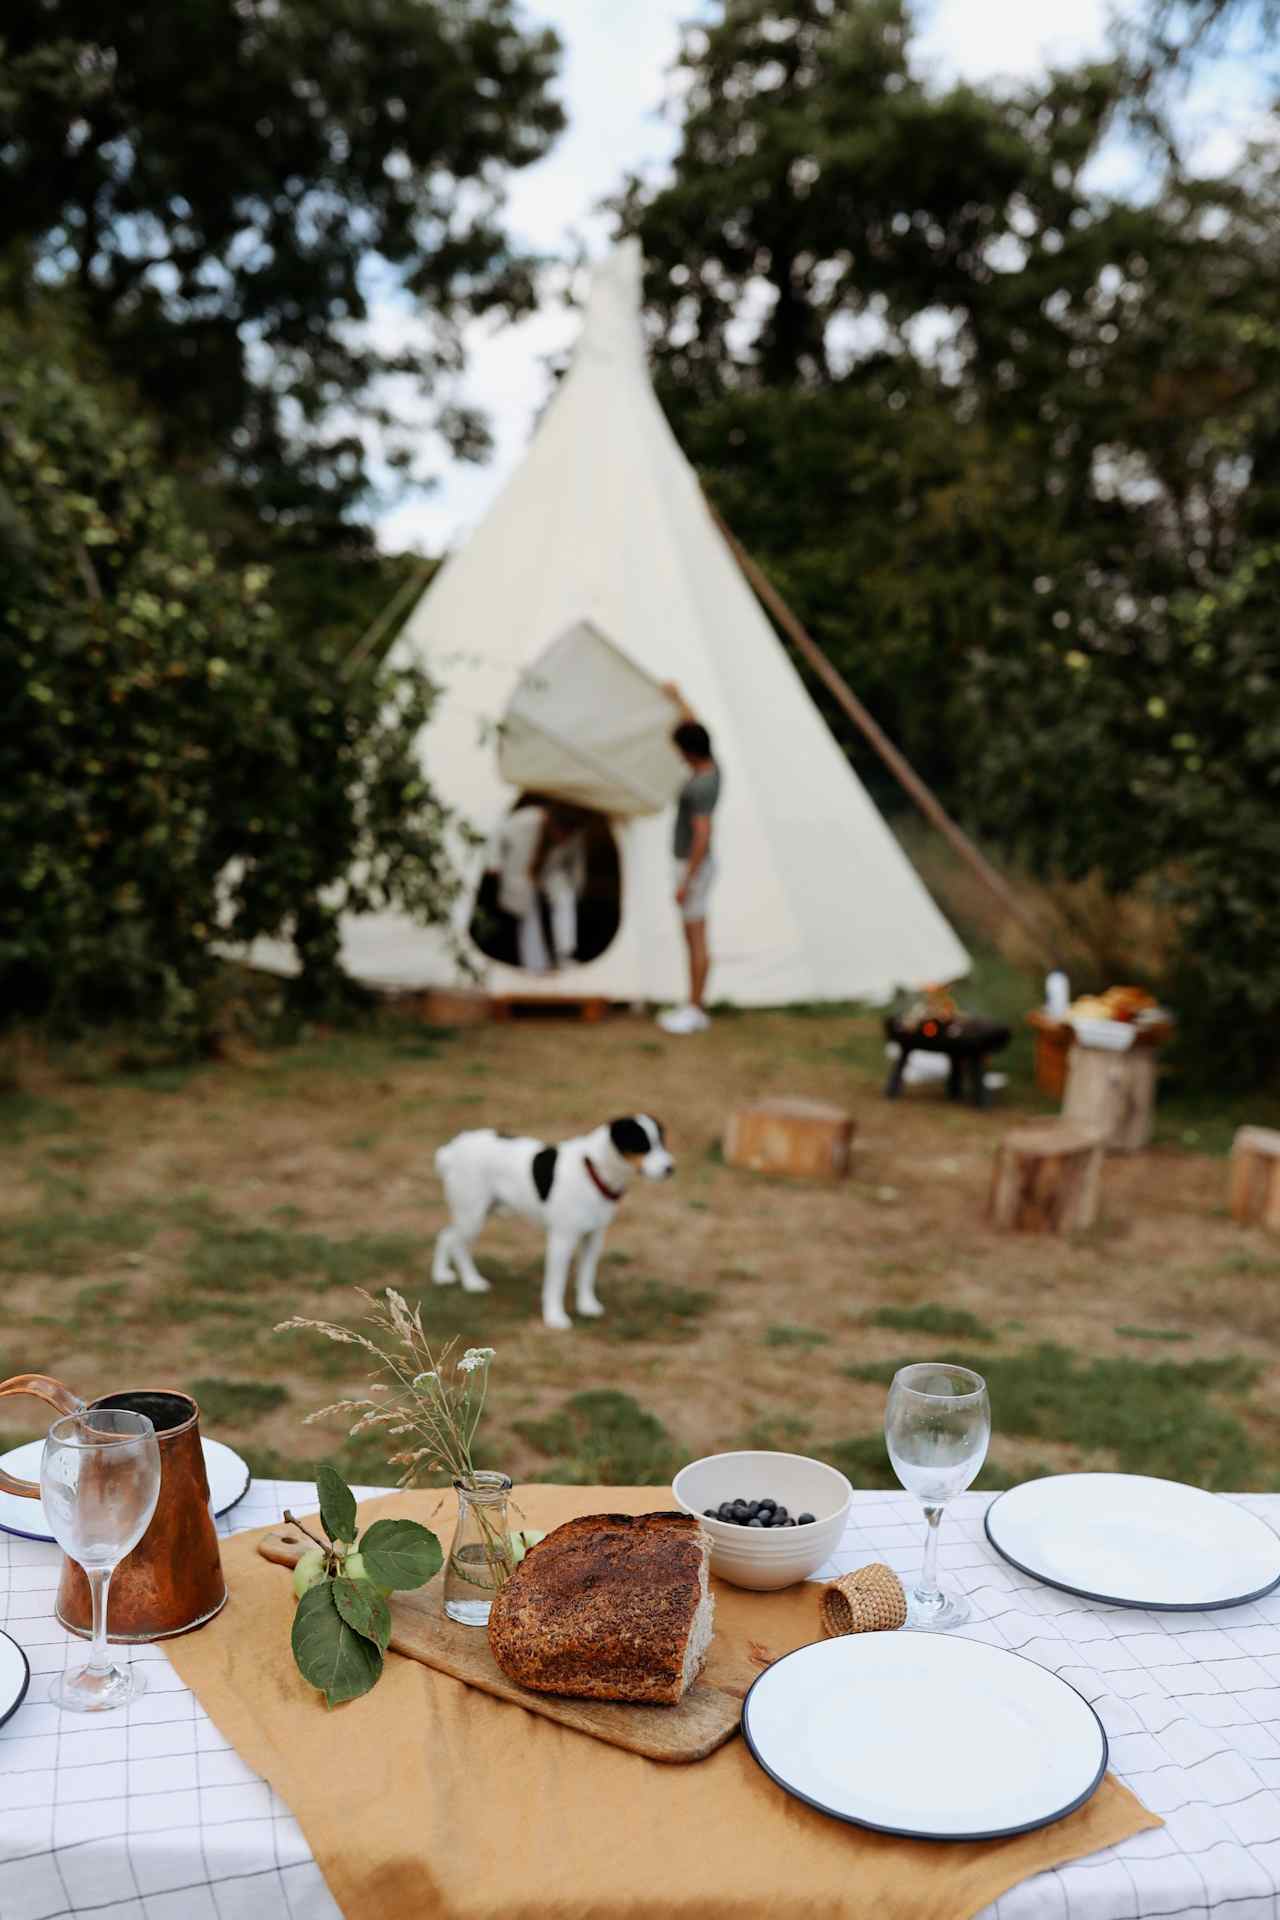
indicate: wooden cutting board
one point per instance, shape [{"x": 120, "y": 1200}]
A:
[{"x": 420, "y": 1628}]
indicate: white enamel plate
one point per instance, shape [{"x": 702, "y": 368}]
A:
[
  {"x": 1135, "y": 1542},
  {"x": 228, "y": 1482},
  {"x": 925, "y": 1734},
  {"x": 15, "y": 1677}
]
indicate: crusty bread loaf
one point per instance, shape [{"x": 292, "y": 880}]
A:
[{"x": 614, "y": 1606}]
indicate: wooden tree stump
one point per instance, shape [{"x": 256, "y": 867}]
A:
[
  {"x": 806, "y": 1138},
  {"x": 1113, "y": 1094},
  {"x": 1254, "y": 1191},
  {"x": 1047, "y": 1178}
]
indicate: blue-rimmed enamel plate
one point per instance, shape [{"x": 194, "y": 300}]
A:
[
  {"x": 926, "y": 1735},
  {"x": 1134, "y": 1541},
  {"x": 228, "y": 1482},
  {"x": 15, "y": 1677}
]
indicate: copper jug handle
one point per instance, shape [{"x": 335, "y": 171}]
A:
[{"x": 60, "y": 1398}]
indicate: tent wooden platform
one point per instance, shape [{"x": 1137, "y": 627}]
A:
[{"x": 462, "y": 1007}]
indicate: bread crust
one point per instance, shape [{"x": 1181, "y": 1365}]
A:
[{"x": 604, "y": 1608}]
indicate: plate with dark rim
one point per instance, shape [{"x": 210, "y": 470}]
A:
[
  {"x": 15, "y": 1677},
  {"x": 228, "y": 1474},
  {"x": 925, "y": 1735},
  {"x": 1133, "y": 1541}
]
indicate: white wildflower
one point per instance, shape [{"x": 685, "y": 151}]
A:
[{"x": 475, "y": 1357}]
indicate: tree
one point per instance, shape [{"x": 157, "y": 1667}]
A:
[
  {"x": 169, "y": 771},
  {"x": 997, "y": 436},
  {"x": 225, "y": 185}
]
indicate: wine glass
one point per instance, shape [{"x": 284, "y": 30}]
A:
[
  {"x": 99, "y": 1483},
  {"x": 936, "y": 1426}
]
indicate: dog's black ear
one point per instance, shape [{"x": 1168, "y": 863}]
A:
[{"x": 628, "y": 1136}]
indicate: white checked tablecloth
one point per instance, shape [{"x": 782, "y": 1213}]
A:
[{"x": 149, "y": 1815}]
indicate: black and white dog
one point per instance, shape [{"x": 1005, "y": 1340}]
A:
[{"x": 572, "y": 1190}]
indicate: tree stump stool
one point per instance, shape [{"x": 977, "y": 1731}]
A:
[
  {"x": 806, "y": 1138},
  {"x": 1047, "y": 1178},
  {"x": 1112, "y": 1093},
  {"x": 1254, "y": 1191}
]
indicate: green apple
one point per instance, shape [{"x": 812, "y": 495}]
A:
[
  {"x": 354, "y": 1568},
  {"x": 521, "y": 1543},
  {"x": 310, "y": 1571}
]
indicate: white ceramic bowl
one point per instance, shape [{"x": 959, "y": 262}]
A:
[
  {"x": 1115, "y": 1036},
  {"x": 766, "y": 1558}
]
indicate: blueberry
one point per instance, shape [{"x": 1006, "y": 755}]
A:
[
  {"x": 805, "y": 1520},
  {"x": 780, "y": 1513},
  {"x": 755, "y": 1523},
  {"x": 725, "y": 1510},
  {"x": 710, "y": 1513},
  {"x": 753, "y": 1510},
  {"x": 767, "y": 1506},
  {"x": 777, "y": 1523}
]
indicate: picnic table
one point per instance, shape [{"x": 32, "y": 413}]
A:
[{"x": 148, "y": 1814}]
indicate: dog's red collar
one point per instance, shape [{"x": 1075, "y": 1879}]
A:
[{"x": 608, "y": 1192}]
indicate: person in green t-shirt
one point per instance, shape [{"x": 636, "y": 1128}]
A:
[{"x": 695, "y": 865}]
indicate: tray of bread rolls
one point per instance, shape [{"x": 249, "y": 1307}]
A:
[{"x": 603, "y": 1627}]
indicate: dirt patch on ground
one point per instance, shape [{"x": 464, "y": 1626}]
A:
[{"x": 156, "y": 1233}]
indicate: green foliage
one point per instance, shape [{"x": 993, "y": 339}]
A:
[
  {"x": 1009, "y": 445},
  {"x": 399, "y": 1553},
  {"x": 950, "y": 1322},
  {"x": 330, "y": 1654},
  {"x": 337, "y": 1504},
  {"x": 234, "y": 1402},
  {"x": 169, "y": 769},
  {"x": 363, "y": 1609},
  {"x": 603, "y": 1438},
  {"x": 59, "y": 1238},
  {"x": 783, "y": 1335},
  {"x": 229, "y": 196},
  {"x": 651, "y": 1310},
  {"x": 343, "y": 1624},
  {"x": 1145, "y": 1417},
  {"x": 1151, "y": 1333},
  {"x": 25, "y": 1114},
  {"x": 226, "y": 1256}
]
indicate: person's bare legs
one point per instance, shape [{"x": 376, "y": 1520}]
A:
[{"x": 695, "y": 934}]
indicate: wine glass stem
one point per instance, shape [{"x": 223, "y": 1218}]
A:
[
  {"x": 99, "y": 1654},
  {"x": 927, "y": 1591}
]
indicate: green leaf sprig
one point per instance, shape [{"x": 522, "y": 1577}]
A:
[{"x": 343, "y": 1622}]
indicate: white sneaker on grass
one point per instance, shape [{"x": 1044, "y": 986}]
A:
[{"x": 688, "y": 1019}]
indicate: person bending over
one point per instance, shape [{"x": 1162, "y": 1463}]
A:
[
  {"x": 695, "y": 863},
  {"x": 541, "y": 854}
]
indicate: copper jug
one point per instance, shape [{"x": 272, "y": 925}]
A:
[{"x": 172, "y": 1580}]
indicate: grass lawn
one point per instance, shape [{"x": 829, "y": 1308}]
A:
[{"x": 154, "y": 1228}]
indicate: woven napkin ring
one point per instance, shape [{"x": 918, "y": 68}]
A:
[{"x": 868, "y": 1601}]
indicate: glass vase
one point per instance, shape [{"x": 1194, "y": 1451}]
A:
[{"x": 480, "y": 1558}]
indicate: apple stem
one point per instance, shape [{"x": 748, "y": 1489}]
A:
[{"x": 295, "y": 1522}]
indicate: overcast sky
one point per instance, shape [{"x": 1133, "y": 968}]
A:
[{"x": 614, "y": 82}]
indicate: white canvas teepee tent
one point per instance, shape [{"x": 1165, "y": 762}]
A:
[{"x": 598, "y": 573}]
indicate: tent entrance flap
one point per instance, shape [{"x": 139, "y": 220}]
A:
[{"x": 585, "y": 724}]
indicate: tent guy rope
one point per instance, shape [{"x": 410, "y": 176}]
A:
[{"x": 902, "y": 770}]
